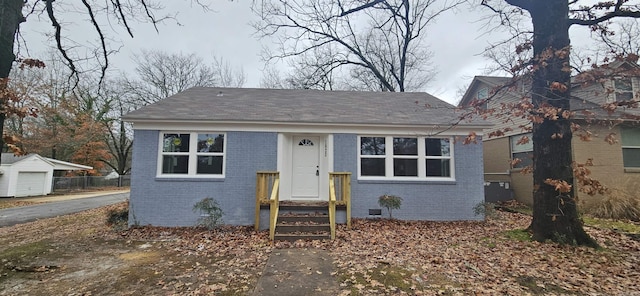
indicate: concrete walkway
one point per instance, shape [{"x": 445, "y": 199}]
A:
[
  {"x": 298, "y": 272},
  {"x": 53, "y": 206}
]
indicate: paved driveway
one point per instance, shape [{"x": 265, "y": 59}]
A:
[{"x": 13, "y": 216}]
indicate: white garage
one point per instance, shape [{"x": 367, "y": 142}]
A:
[
  {"x": 30, "y": 175},
  {"x": 31, "y": 183}
]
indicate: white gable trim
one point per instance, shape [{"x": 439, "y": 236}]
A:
[
  {"x": 60, "y": 165},
  {"x": 316, "y": 128}
]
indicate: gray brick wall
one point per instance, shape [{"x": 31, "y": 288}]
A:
[
  {"x": 169, "y": 202},
  {"x": 421, "y": 200}
]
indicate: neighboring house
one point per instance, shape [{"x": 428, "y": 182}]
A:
[
  {"x": 30, "y": 175},
  {"x": 211, "y": 142},
  {"x": 616, "y": 165}
]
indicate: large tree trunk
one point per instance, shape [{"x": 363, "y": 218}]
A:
[
  {"x": 555, "y": 214},
  {"x": 10, "y": 19}
]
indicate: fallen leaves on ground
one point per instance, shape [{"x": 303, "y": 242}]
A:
[
  {"x": 9, "y": 203},
  {"x": 375, "y": 257}
]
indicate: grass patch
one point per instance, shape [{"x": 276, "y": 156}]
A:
[
  {"x": 28, "y": 257},
  {"x": 515, "y": 207},
  {"x": 25, "y": 252},
  {"x": 488, "y": 242},
  {"x": 622, "y": 226},
  {"x": 518, "y": 234},
  {"x": 382, "y": 279},
  {"x": 538, "y": 287}
]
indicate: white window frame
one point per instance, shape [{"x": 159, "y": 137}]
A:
[
  {"x": 483, "y": 94},
  {"x": 615, "y": 89},
  {"x": 513, "y": 147},
  {"x": 622, "y": 133},
  {"x": 192, "y": 154},
  {"x": 421, "y": 159}
]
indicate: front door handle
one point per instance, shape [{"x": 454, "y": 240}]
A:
[{"x": 317, "y": 170}]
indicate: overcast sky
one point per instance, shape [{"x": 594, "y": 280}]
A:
[{"x": 457, "y": 42}]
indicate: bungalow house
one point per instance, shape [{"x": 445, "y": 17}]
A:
[
  {"x": 616, "y": 164},
  {"x": 224, "y": 143},
  {"x": 30, "y": 175}
]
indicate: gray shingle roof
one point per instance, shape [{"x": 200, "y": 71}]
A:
[
  {"x": 299, "y": 106},
  {"x": 9, "y": 158}
]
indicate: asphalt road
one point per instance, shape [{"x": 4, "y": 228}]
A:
[{"x": 13, "y": 216}]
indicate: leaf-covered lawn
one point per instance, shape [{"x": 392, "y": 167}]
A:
[{"x": 376, "y": 257}]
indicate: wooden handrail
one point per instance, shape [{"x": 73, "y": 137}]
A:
[
  {"x": 265, "y": 181},
  {"x": 343, "y": 193},
  {"x": 274, "y": 207},
  {"x": 332, "y": 207}
]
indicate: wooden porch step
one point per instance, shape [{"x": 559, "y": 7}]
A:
[
  {"x": 303, "y": 224},
  {"x": 292, "y": 237},
  {"x": 300, "y": 219},
  {"x": 305, "y": 228}
]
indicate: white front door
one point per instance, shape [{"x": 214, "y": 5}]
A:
[{"x": 305, "y": 171}]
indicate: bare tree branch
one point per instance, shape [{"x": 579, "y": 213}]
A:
[
  {"x": 362, "y": 7},
  {"x": 390, "y": 47},
  {"x": 58, "y": 38},
  {"x": 92, "y": 17}
]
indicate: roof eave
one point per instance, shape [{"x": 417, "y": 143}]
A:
[{"x": 159, "y": 124}]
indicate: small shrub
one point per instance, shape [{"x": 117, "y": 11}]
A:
[
  {"x": 118, "y": 219},
  {"x": 210, "y": 213},
  {"x": 617, "y": 204},
  {"x": 391, "y": 202},
  {"x": 487, "y": 209}
]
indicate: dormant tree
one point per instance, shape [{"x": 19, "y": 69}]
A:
[
  {"x": 555, "y": 215},
  {"x": 381, "y": 41},
  {"x": 119, "y": 136},
  {"x": 304, "y": 73},
  {"x": 160, "y": 74},
  {"x": 106, "y": 19}
]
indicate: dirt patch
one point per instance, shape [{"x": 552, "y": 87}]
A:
[{"x": 80, "y": 255}]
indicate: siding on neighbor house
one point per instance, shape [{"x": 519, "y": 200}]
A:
[
  {"x": 597, "y": 92},
  {"x": 169, "y": 202},
  {"x": 421, "y": 200},
  {"x": 522, "y": 185},
  {"x": 497, "y": 157},
  {"x": 497, "y": 164},
  {"x": 506, "y": 97},
  {"x": 608, "y": 166}
]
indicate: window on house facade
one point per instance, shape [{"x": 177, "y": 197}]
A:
[
  {"x": 483, "y": 94},
  {"x": 523, "y": 151},
  {"x": 623, "y": 89},
  {"x": 630, "y": 147},
  {"x": 408, "y": 158},
  {"x": 192, "y": 154}
]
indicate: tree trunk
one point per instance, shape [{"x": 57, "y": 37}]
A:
[
  {"x": 10, "y": 19},
  {"x": 555, "y": 214}
]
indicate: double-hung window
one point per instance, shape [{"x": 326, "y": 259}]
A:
[
  {"x": 521, "y": 150},
  {"x": 630, "y": 147},
  {"x": 405, "y": 158},
  {"x": 192, "y": 154},
  {"x": 623, "y": 89},
  {"x": 483, "y": 94}
]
